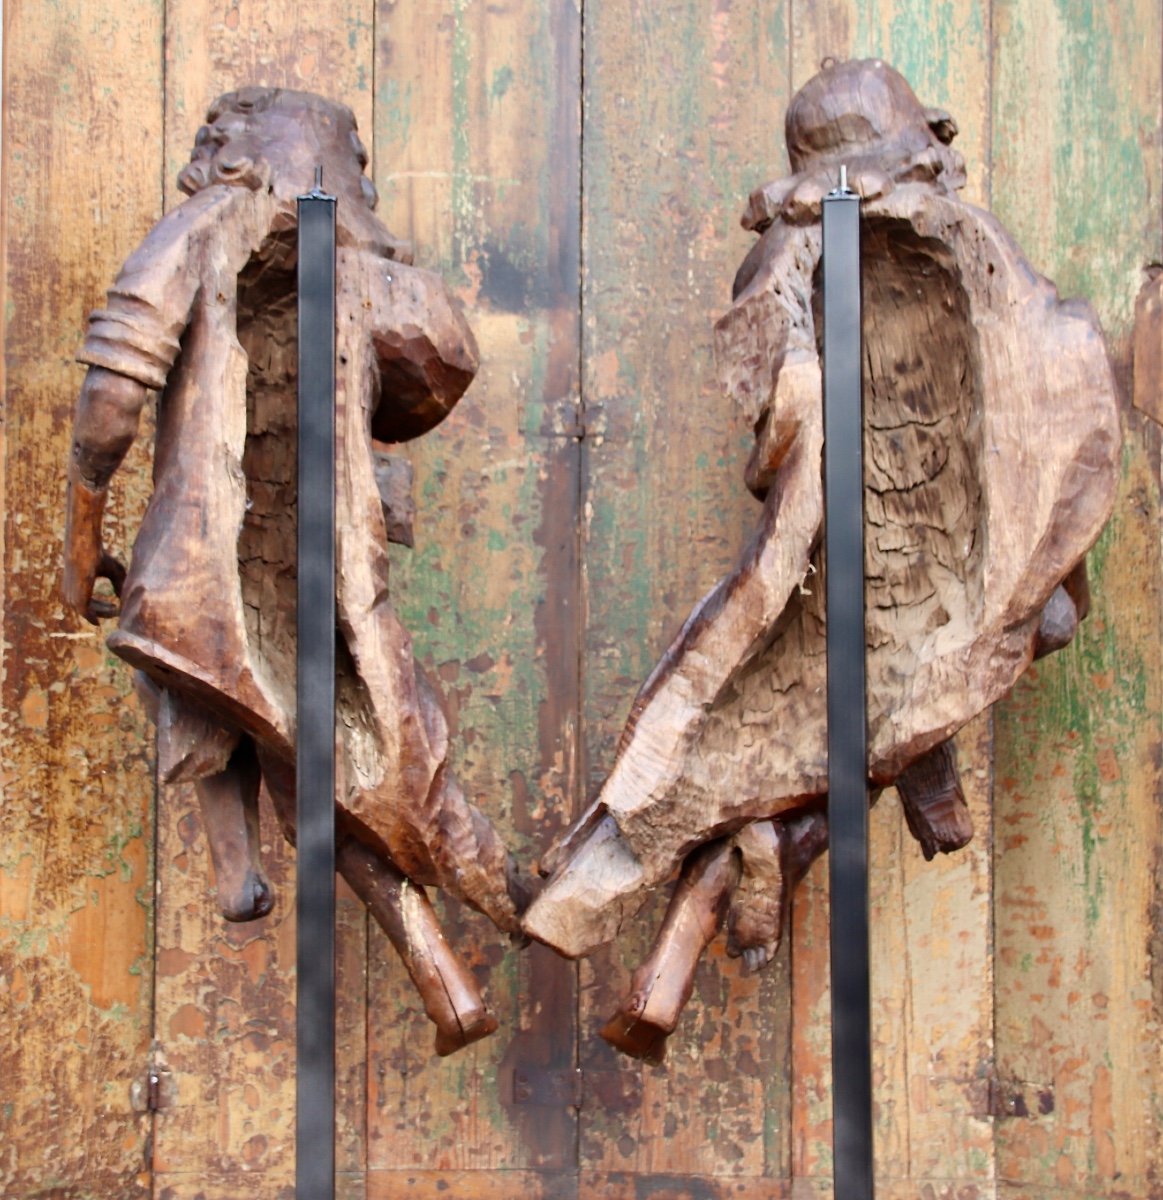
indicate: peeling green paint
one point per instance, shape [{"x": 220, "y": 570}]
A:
[{"x": 502, "y": 81}]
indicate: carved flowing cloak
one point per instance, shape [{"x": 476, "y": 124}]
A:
[{"x": 204, "y": 313}]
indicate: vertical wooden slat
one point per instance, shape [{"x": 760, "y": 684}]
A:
[
  {"x": 1077, "y": 175},
  {"x": 225, "y": 996},
  {"x": 932, "y": 997},
  {"x": 82, "y": 120},
  {"x": 477, "y": 143},
  {"x": 683, "y": 112},
  {"x": 932, "y": 1011}
]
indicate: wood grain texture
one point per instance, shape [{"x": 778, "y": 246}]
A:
[
  {"x": 683, "y": 108},
  {"x": 730, "y": 725},
  {"x": 212, "y": 48},
  {"x": 226, "y": 1021},
  {"x": 1147, "y": 348},
  {"x": 82, "y": 121},
  {"x": 225, "y": 1013},
  {"x": 1076, "y": 152},
  {"x": 477, "y": 143}
]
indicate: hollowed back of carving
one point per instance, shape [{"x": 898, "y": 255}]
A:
[
  {"x": 267, "y": 330},
  {"x": 924, "y": 516}
]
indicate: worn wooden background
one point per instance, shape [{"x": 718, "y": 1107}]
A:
[{"x": 576, "y": 170}]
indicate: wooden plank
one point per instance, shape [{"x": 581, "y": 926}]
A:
[
  {"x": 682, "y": 121},
  {"x": 616, "y": 1185},
  {"x": 931, "y": 922},
  {"x": 82, "y": 122},
  {"x": 1075, "y": 146},
  {"x": 1076, "y": 120},
  {"x": 932, "y": 1000},
  {"x": 933, "y": 988},
  {"x": 230, "y": 1186},
  {"x": 225, "y": 994},
  {"x": 477, "y": 151}
]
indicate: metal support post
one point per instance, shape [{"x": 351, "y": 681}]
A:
[
  {"x": 315, "y": 722},
  {"x": 847, "y": 721}
]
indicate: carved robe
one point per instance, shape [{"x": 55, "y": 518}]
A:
[{"x": 216, "y": 627}]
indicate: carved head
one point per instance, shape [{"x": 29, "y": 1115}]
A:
[
  {"x": 863, "y": 111},
  {"x": 260, "y": 137}
]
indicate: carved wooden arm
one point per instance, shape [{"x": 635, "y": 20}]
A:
[{"x": 104, "y": 427}]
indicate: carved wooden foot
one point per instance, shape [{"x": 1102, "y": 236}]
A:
[
  {"x": 934, "y": 804},
  {"x": 1067, "y": 607},
  {"x": 775, "y": 856},
  {"x": 446, "y": 986},
  {"x": 229, "y": 803},
  {"x": 662, "y": 984}
]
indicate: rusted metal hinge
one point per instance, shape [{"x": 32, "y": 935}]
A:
[
  {"x": 572, "y": 1087},
  {"x": 154, "y": 1091},
  {"x": 1007, "y": 1099}
]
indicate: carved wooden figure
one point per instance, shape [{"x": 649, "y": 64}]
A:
[
  {"x": 991, "y": 444},
  {"x": 204, "y": 314}
]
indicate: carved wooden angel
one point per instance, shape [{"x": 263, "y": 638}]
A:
[
  {"x": 991, "y": 447},
  {"x": 204, "y": 314}
]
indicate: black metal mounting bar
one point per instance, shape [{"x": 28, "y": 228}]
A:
[
  {"x": 315, "y": 721},
  {"x": 847, "y": 721}
]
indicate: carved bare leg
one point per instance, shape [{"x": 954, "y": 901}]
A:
[
  {"x": 229, "y": 802},
  {"x": 934, "y": 804},
  {"x": 662, "y": 984},
  {"x": 446, "y": 986},
  {"x": 401, "y": 908},
  {"x": 775, "y": 856}
]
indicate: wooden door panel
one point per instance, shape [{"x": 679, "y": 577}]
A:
[
  {"x": 477, "y": 160},
  {"x": 576, "y": 173},
  {"x": 1078, "y": 749},
  {"x": 683, "y": 112},
  {"x": 76, "y": 818}
]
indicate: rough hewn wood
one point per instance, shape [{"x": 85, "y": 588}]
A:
[
  {"x": 1075, "y": 160},
  {"x": 82, "y": 124},
  {"x": 729, "y": 726},
  {"x": 314, "y": 47},
  {"x": 946, "y": 54},
  {"x": 323, "y": 48}
]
